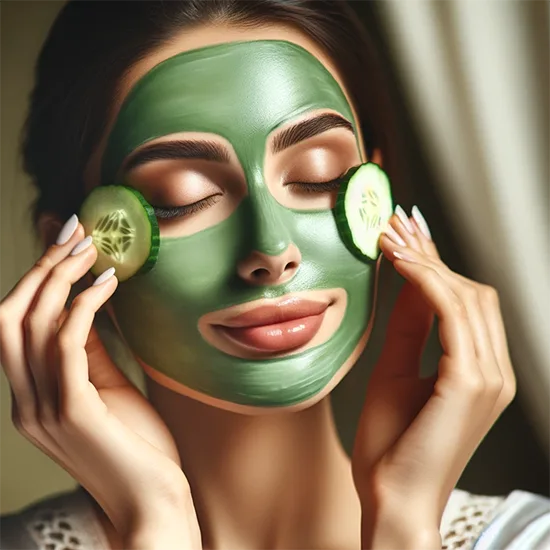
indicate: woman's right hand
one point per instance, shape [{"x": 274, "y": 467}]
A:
[{"x": 70, "y": 400}]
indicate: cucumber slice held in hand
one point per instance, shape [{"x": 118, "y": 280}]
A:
[
  {"x": 363, "y": 209},
  {"x": 124, "y": 230}
]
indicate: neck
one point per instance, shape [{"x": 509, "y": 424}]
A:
[{"x": 266, "y": 481}]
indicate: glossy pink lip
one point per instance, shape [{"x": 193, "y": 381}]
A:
[
  {"x": 277, "y": 328},
  {"x": 272, "y": 314}
]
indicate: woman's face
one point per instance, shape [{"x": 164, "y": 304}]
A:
[{"x": 235, "y": 137}]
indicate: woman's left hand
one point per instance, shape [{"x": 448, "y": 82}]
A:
[{"x": 416, "y": 435}]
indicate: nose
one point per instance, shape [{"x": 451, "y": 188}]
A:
[{"x": 262, "y": 269}]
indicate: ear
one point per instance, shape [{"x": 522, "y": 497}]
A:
[{"x": 49, "y": 225}]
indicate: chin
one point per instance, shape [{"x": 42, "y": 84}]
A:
[{"x": 186, "y": 391}]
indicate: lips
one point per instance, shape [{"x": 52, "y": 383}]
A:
[{"x": 276, "y": 328}]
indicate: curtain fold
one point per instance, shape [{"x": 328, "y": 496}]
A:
[{"x": 475, "y": 75}]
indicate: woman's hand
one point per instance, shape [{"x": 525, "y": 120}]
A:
[
  {"x": 72, "y": 402},
  {"x": 416, "y": 436}
]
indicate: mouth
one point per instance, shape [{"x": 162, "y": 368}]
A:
[{"x": 276, "y": 328}]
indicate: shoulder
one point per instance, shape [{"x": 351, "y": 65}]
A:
[
  {"x": 520, "y": 520},
  {"x": 64, "y": 521}
]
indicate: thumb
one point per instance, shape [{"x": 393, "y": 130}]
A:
[
  {"x": 391, "y": 405},
  {"x": 102, "y": 371},
  {"x": 408, "y": 329}
]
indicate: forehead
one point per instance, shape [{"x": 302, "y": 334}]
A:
[{"x": 241, "y": 91}]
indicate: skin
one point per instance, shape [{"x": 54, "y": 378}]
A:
[
  {"x": 263, "y": 240},
  {"x": 415, "y": 436}
]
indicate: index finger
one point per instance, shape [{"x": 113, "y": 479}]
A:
[
  {"x": 454, "y": 329},
  {"x": 19, "y": 299}
]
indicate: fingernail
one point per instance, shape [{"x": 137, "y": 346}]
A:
[
  {"x": 404, "y": 219},
  {"x": 421, "y": 222},
  {"x": 404, "y": 257},
  {"x": 67, "y": 231},
  {"x": 82, "y": 245},
  {"x": 107, "y": 274},
  {"x": 394, "y": 236}
]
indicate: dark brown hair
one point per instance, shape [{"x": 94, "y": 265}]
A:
[{"x": 92, "y": 44}]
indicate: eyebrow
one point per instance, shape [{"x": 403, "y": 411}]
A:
[
  {"x": 212, "y": 151},
  {"x": 177, "y": 150},
  {"x": 308, "y": 129}
]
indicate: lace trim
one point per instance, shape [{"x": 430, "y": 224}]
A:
[
  {"x": 473, "y": 516},
  {"x": 65, "y": 522},
  {"x": 68, "y": 522}
]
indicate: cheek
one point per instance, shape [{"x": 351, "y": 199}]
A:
[
  {"x": 326, "y": 257},
  {"x": 184, "y": 284},
  {"x": 196, "y": 275},
  {"x": 197, "y": 269},
  {"x": 329, "y": 264}
]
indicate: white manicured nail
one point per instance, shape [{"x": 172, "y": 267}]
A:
[
  {"x": 67, "y": 231},
  {"x": 107, "y": 274},
  {"x": 82, "y": 245},
  {"x": 404, "y": 219},
  {"x": 404, "y": 257},
  {"x": 394, "y": 236},
  {"x": 421, "y": 222}
]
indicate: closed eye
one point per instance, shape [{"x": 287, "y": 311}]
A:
[
  {"x": 169, "y": 212},
  {"x": 316, "y": 187}
]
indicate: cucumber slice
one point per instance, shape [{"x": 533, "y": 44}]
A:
[
  {"x": 363, "y": 208},
  {"x": 124, "y": 230}
]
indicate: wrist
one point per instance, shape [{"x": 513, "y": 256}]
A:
[
  {"x": 158, "y": 539},
  {"x": 141, "y": 504},
  {"x": 406, "y": 526},
  {"x": 395, "y": 536},
  {"x": 400, "y": 537},
  {"x": 159, "y": 531},
  {"x": 159, "y": 523}
]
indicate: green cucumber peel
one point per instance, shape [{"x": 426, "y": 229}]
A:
[
  {"x": 363, "y": 208},
  {"x": 124, "y": 230}
]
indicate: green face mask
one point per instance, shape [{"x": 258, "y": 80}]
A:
[{"x": 241, "y": 91}]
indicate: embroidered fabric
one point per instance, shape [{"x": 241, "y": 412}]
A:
[
  {"x": 65, "y": 522},
  {"x": 468, "y": 517}
]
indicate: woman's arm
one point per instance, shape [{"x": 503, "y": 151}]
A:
[
  {"x": 72, "y": 402},
  {"x": 161, "y": 525},
  {"x": 415, "y": 435}
]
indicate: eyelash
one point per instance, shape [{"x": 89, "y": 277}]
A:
[
  {"x": 321, "y": 187},
  {"x": 166, "y": 213}
]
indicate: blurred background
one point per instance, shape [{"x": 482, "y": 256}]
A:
[{"x": 471, "y": 86}]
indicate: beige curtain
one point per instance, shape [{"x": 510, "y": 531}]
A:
[{"x": 476, "y": 78}]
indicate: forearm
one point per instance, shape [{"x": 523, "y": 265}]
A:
[
  {"x": 159, "y": 539},
  {"x": 168, "y": 530},
  {"x": 398, "y": 527},
  {"x": 398, "y": 537}
]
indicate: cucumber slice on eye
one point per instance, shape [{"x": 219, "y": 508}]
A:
[
  {"x": 363, "y": 209},
  {"x": 124, "y": 230}
]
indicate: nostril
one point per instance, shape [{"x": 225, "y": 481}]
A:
[
  {"x": 291, "y": 266},
  {"x": 260, "y": 273}
]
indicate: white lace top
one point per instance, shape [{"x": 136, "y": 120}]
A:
[
  {"x": 66, "y": 521},
  {"x": 520, "y": 521}
]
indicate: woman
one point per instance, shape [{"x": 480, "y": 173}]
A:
[{"x": 236, "y": 121}]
